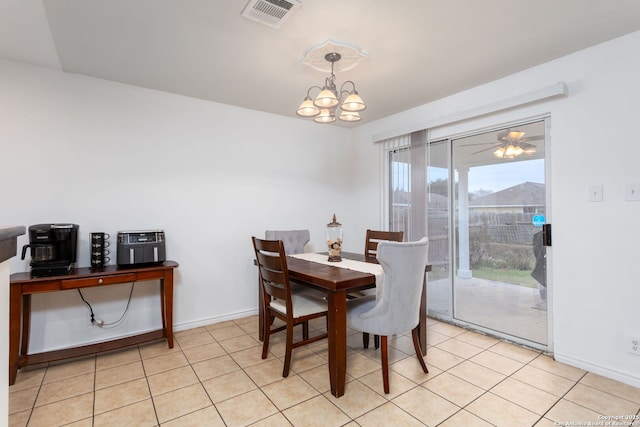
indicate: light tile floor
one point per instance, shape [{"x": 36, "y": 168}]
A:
[{"x": 214, "y": 376}]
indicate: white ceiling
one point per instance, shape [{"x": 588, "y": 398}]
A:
[{"x": 418, "y": 50}]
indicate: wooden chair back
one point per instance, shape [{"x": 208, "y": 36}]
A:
[
  {"x": 373, "y": 237},
  {"x": 272, "y": 270},
  {"x": 276, "y": 288}
]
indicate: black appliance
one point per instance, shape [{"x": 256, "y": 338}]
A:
[
  {"x": 141, "y": 247},
  {"x": 53, "y": 249}
]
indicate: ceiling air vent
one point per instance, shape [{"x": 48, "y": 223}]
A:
[{"x": 270, "y": 12}]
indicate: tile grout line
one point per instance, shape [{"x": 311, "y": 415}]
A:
[
  {"x": 563, "y": 397},
  {"x": 146, "y": 378},
  {"x": 250, "y": 332}
]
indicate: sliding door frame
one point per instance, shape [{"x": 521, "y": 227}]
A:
[{"x": 386, "y": 219}]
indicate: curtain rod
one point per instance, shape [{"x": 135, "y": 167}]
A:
[{"x": 551, "y": 91}]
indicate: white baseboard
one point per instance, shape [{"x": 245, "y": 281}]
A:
[
  {"x": 623, "y": 377},
  {"x": 176, "y": 328},
  {"x": 216, "y": 319}
]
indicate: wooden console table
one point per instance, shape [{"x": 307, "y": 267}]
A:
[{"x": 23, "y": 286}]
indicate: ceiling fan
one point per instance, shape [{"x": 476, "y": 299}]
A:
[{"x": 511, "y": 144}]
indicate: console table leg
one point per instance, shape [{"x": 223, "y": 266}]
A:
[
  {"x": 26, "y": 324},
  {"x": 168, "y": 306},
  {"x": 15, "y": 307},
  {"x": 163, "y": 307}
]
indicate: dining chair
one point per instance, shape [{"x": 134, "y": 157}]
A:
[
  {"x": 294, "y": 240},
  {"x": 397, "y": 308},
  {"x": 372, "y": 238},
  {"x": 278, "y": 300}
]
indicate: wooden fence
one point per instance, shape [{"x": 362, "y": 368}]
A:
[{"x": 515, "y": 230}]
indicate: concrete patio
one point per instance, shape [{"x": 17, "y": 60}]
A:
[{"x": 512, "y": 309}]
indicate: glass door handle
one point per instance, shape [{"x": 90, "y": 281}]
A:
[{"x": 546, "y": 234}]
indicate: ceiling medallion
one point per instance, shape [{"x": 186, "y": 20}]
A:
[{"x": 350, "y": 55}]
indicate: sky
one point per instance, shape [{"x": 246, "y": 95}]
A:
[
  {"x": 491, "y": 178},
  {"x": 504, "y": 175}
]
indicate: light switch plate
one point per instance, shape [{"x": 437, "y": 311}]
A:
[
  {"x": 632, "y": 192},
  {"x": 594, "y": 193}
]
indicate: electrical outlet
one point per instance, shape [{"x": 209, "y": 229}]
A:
[{"x": 633, "y": 345}]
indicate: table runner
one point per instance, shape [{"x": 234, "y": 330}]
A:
[{"x": 364, "y": 267}]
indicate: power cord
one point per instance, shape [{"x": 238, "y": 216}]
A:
[{"x": 100, "y": 323}]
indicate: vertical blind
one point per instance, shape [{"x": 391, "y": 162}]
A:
[
  {"x": 404, "y": 172},
  {"x": 396, "y": 176}
]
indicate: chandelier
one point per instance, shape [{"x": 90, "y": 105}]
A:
[{"x": 325, "y": 107}]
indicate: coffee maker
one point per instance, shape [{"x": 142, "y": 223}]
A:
[{"x": 53, "y": 249}]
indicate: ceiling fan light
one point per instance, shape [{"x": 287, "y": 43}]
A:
[
  {"x": 349, "y": 116},
  {"x": 307, "y": 109},
  {"x": 499, "y": 153},
  {"x": 353, "y": 103},
  {"x": 511, "y": 151},
  {"x": 325, "y": 116},
  {"x": 326, "y": 99},
  {"x": 515, "y": 135}
]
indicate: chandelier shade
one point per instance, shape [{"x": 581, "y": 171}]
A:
[
  {"x": 323, "y": 108},
  {"x": 325, "y": 116},
  {"x": 307, "y": 108},
  {"x": 326, "y": 99},
  {"x": 350, "y": 116},
  {"x": 353, "y": 102}
]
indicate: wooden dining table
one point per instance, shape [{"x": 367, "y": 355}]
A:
[{"x": 337, "y": 283}]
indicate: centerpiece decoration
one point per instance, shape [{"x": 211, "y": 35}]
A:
[{"x": 334, "y": 240}]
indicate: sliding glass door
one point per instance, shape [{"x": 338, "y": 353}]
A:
[
  {"x": 499, "y": 279},
  {"x": 481, "y": 200}
]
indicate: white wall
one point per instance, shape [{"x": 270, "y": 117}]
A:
[
  {"x": 595, "y": 291},
  {"x": 112, "y": 157}
]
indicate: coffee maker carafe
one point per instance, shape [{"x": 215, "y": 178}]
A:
[{"x": 53, "y": 248}]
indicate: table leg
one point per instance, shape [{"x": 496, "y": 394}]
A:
[
  {"x": 337, "y": 329},
  {"x": 422, "y": 326},
  {"x": 167, "y": 306},
  {"x": 260, "y": 312},
  {"x": 15, "y": 307}
]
